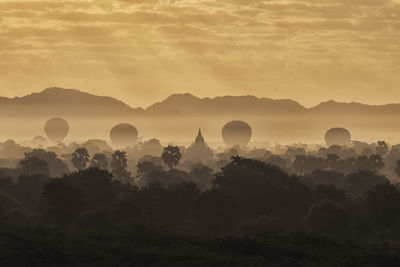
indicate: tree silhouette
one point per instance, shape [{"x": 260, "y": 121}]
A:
[
  {"x": 307, "y": 164},
  {"x": 148, "y": 172},
  {"x": 325, "y": 177},
  {"x": 217, "y": 212},
  {"x": 63, "y": 202},
  {"x": 329, "y": 192},
  {"x": 171, "y": 156},
  {"x": 28, "y": 190},
  {"x": 382, "y": 148},
  {"x": 383, "y": 204},
  {"x": 151, "y": 147},
  {"x": 328, "y": 218},
  {"x": 277, "y": 161},
  {"x": 80, "y": 158},
  {"x": 357, "y": 184},
  {"x": 397, "y": 168},
  {"x": 96, "y": 184},
  {"x": 145, "y": 168},
  {"x": 259, "y": 187},
  {"x": 203, "y": 175},
  {"x": 33, "y": 166},
  {"x": 99, "y": 161},
  {"x": 119, "y": 163},
  {"x": 333, "y": 162},
  {"x": 376, "y": 162},
  {"x": 57, "y": 167}
]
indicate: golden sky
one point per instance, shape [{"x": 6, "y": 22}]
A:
[{"x": 141, "y": 51}]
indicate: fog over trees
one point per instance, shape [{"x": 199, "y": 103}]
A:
[{"x": 342, "y": 193}]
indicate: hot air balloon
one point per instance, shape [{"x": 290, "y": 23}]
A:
[
  {"x": 337, "y": 136},
  {"x": 236, "y": 133},
  {"x": 124, "y": 134},
  {"x": 56, "y": 129}
]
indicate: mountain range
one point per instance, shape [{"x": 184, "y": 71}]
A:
[
  {"x": 72, "y": 102},
  {"x": 65, "y": 102}
]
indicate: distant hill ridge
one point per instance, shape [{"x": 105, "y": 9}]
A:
[
  {"x": 65, "y": 102},
  {"x": 190, "y": 105},
  {"x": 355, "y": 108},
  {"x": 71, "y": 102}
]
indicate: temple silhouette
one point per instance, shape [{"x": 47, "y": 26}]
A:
[{"x": 199, "y": 150}]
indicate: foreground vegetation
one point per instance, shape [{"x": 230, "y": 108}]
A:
[
  {"x": 144, "y": 247},
  {"x": 248, "y": 212}
]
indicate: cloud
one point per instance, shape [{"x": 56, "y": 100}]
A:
[{"x": 143, "y": 48}]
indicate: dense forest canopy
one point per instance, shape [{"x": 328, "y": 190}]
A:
[{"x": 342, "y": 193}]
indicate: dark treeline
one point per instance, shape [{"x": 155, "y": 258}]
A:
[
  {"x": 259, "y": 199},
  {"x": 247, "y": 197}
]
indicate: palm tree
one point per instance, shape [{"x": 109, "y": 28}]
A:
[
  {"x": 119, "y": 166},
  {"x": 171, "y": 156}
]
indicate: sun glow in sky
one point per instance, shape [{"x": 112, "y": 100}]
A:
[{"x": 141, "y": 51}]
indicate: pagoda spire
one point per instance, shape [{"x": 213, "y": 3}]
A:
[{"x": 199, "y": 139}]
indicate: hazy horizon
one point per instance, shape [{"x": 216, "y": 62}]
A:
[{"x": 272, "y": 121}]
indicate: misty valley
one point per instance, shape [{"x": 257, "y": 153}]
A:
[{"x": 130, "y": 200}]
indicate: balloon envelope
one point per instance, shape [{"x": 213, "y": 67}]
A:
[
  {"x": 337, "y": 136},
  {"x": 56, "y": 129},
  {"x": 123, "y": 134},
  {"x": 236, "y": 133}
]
